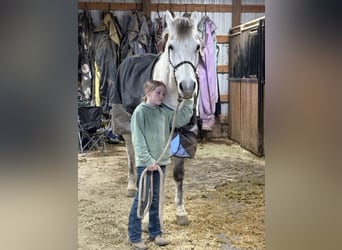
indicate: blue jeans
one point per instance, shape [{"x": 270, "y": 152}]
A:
[{"x": 134, "y": 223}]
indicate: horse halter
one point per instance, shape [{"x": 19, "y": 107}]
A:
[{"x": 179, "y": 64}]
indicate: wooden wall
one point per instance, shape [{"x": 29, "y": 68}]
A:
[{"x": 246, "y": 85}]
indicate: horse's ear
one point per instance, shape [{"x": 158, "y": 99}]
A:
[
  {"x": 168, "y": 19},
  {"x": 195, "y": 18}
]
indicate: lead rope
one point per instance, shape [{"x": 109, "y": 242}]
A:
[{"x": 143, "y": 181}]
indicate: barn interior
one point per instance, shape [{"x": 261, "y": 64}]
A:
[{"x": 235, "y": 106}]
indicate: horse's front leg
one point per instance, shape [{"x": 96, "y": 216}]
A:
[
  {"x": 132, "y": 175},
  {"x": 178, "y": 175}
]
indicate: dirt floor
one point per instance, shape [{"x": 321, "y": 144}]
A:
[{"x": 224, "y": 197}]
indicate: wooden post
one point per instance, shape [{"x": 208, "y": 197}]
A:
[
  {"x": 147, "y": 7},
  {"x": 236, "y": 13}
]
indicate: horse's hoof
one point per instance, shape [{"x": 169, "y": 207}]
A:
[
  {"x": 131, "y": 192},
  {"x": 182, "y": 220}
]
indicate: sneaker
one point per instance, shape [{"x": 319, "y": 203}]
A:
[
  {"x": 160, "y": 241},
  {"x": 138, "y": 245}
]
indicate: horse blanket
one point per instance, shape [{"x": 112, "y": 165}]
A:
[{"x": 132, "y": 74}]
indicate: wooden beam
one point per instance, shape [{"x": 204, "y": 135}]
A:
[
  {"x": 236, "y": 13},
  {"x": 222, "y": 69},
  {"x": 147, "y": 7},
  {"x": 110, "y": 6},
  {"x": 222, "y": 39},
  {"x": 206, "y": 8},
  {"x": 224, "y": 98},
  {"x": 192, "y": 7},
  {"x": 253, "y": 8}
]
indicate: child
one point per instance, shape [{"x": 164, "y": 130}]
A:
[{"x": 150, "y": 124}]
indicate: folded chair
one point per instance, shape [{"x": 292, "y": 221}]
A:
[{"x": 91, "y": 131}]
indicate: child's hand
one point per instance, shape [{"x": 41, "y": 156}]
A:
[{"x": 153, "y": 167}]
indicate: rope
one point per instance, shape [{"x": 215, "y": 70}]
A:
[{"x": 143, "y": 181}]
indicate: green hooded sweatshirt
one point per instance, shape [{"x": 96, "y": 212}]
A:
[{"x": 151, "y": 130}]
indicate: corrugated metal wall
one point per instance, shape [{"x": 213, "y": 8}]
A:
[{"x": 223, "y": 21}]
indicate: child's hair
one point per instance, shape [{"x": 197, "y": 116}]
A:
[{"x": 151, "y": 85}]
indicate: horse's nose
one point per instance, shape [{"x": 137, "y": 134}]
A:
[{"x": 187, "y": 88}]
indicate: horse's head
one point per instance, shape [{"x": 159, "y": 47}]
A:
[{"x": 182, "y": 49}]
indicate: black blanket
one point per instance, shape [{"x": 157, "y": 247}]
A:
[{"x": 132, "y": 73}]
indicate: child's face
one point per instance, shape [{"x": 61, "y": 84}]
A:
[{"x": 156, "y": 96}]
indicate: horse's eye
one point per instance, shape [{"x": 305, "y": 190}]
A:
[
  {"x": 170, "y": 47},
  {"x": 198, "y": 47}
]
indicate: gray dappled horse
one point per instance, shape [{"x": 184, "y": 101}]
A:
[{"x": 176, "y": 67}]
